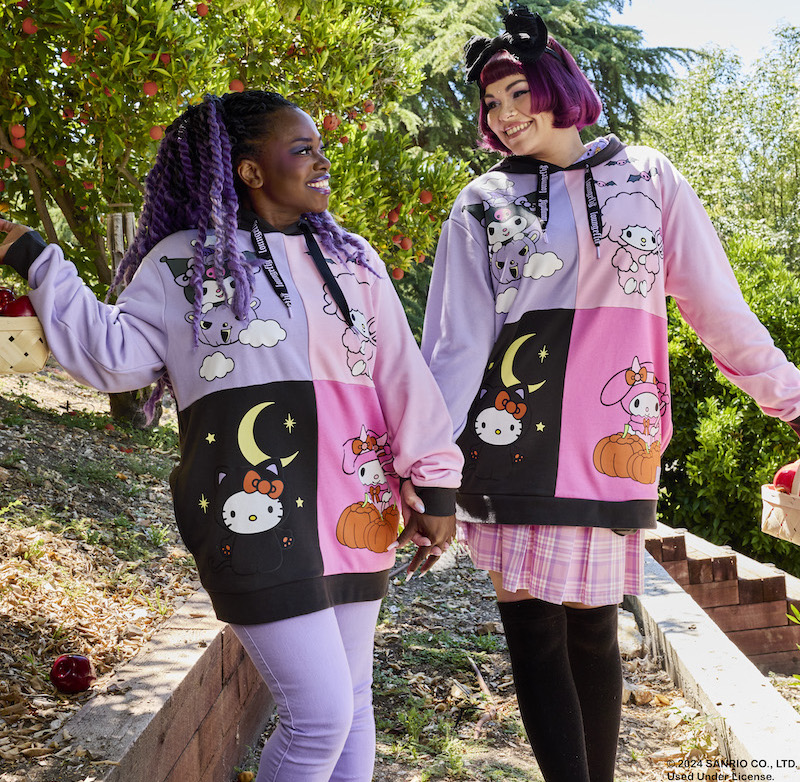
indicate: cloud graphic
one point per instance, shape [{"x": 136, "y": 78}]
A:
[
  {"x": 542, "y": 265},
  {"x": 262, "y": 333},
  {"x": 505, "y": 300},
  {"x": 215, "y": 366}
]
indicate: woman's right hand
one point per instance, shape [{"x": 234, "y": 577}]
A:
[{"x": 13, "y": 231}]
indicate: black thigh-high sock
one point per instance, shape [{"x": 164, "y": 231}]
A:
[
  {"x": 597, "y": 672},
  {"x": 536, "y": 634}
]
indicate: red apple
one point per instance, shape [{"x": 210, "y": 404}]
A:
[
  {"x": 425, "y": 196},
  {"x": 18, "y": 308},
  {"x": 22, "y": 4},
  {"x": 344, "y": 139},
  {"x": 72, "y": 673},
  {"x": 67, "y": 57},
  {"x": 6, "y": 162},
  {"x": 98, "y": 35},
  {"x": 236, "y": 85},
  {"x": 330, "y": 122},
  {"x": 29, "y": 26},
  {"x": 202, "y": 9},
  {"x": 398, "y": 273},
  {"x": 150, "y": 88},
  {"x": 60, "y": 161},
  {"x": 17, "y": 131},
  {"x": 369, "y": 106},
  {"x": 397, "y": 238},
  {"x": 156, "y": 132},
  {"x": 393, "y": 216},
  {"x": 69, "y": 113},
  {"x": 6, "y": 297},
  {"x": 787, "y": 479},
  {"x": 405, "y": 243},
  {"x": 166, "y": 59},
  {"x": 19, "y": 143}
]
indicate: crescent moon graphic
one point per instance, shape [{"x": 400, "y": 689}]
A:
[
  {"x": 507, "y": 367},
  {"x": 247, "y": 441}
]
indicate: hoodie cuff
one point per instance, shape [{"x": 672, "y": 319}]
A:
[
  {"x": 21, "y": 255},
  {"x": 795, "y": 425},
  {"x": 438, "y": 501}
]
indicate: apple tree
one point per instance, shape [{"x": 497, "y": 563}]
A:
[{"x": 88, "y": 86}]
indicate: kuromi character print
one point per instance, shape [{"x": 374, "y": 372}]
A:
[{"x": 639, "y": 257}]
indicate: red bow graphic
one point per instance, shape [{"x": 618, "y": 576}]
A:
[
  {"x": 632, "y": 377},
  {"x": 253, "y": 482},
  {"x": 505, "y": 402},
  {"x": 370, "y": 444}
]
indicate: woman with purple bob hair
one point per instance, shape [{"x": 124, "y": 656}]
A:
[
  {"x": 546, "y": 331},
  {"x": 243, "y": 297}
]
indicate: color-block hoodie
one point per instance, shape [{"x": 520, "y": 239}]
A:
[
  {"x": 546, "y": 329},
  {"x": 294, "y": 427}
]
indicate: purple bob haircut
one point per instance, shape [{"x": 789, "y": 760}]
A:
[
  {"x": 557, "y": 84},
  {"x": 193, "y": 185}
]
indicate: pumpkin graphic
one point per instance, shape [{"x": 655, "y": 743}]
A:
[
  {"x": 627, "y": 456},
  {"x": 353, "y": 523},
  {"x": 362, "y": 526}
]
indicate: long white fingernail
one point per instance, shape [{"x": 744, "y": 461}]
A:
[{"x": 392, "y": 546}]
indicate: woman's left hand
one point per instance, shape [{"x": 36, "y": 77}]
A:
[
  {"x": 13, "y": 231},
  {"x": 431, "y": 534}
]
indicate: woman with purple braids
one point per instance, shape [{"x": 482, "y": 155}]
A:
[
  {"x": 302, "y": 403},
  {"x": 546, "y": 331}
]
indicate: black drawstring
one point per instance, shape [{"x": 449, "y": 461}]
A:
[
  {"x": 543, "y": 201},
  {"x": 269, "y": 266},
  {"x": 593, "y": 208},
  {"x": 326, "y": 273}
]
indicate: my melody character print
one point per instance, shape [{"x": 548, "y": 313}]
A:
[
  {"x": 632, "y": 221},
  {"x": 372, "y": 521},
  {"x": 635, "y": 451},
  {"x": 359, "y": 340}
]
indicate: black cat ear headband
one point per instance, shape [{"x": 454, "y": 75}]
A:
[{"x": 525, "y": 37}]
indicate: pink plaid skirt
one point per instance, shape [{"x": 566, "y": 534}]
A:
[{"x": 560, "y": 564}]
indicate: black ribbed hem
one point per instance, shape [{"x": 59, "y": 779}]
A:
[
  {"x": 24, "y": 252},
  {"x": 795, "y": 425},
  {"x": 559, "y": 511},
  {"x": 299, "y": 597},
  {"x": 438, "y": 501}
]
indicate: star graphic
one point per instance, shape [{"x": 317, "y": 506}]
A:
[
  {"x": 299, "y": 502},
  {"x": 540, "y": 427},
  {"x": 289, "y": 423},
  {"x": 543, "y": 354},
  {"x": 203, "y": 503},
  {"x": 211, "y": 438}
]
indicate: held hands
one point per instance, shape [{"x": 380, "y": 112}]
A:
[
  {"x": 13, "y": 232},
  {"x": 432, "y": 534}
]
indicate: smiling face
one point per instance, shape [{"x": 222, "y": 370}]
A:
[
  {"x": 507, "y": 103},
  {"x": 290, "y": 174}
]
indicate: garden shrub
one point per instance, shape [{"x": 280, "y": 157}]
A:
[{"x": 724, "y": 447}]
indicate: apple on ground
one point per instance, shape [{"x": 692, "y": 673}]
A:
[
  {"x": 787, "y": 479},
  {"x": 72, "y": 673}
]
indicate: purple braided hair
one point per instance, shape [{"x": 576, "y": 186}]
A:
[{"x": 193, "y": 186}]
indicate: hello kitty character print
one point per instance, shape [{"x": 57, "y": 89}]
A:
[
  {"x": 252, "y": 507},
  {"x": 641, "y": 249}
]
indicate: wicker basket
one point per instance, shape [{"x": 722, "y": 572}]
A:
[
  {"x": 780, "y": 514},
  {"x": 23, "y": 347}
]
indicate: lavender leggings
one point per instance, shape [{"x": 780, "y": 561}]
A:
[{"x": 318, "y": 668}]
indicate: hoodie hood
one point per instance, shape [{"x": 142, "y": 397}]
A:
[{"x": 529, "y": 165}]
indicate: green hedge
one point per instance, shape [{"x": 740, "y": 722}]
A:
[{"x": 724, "y": 447}]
